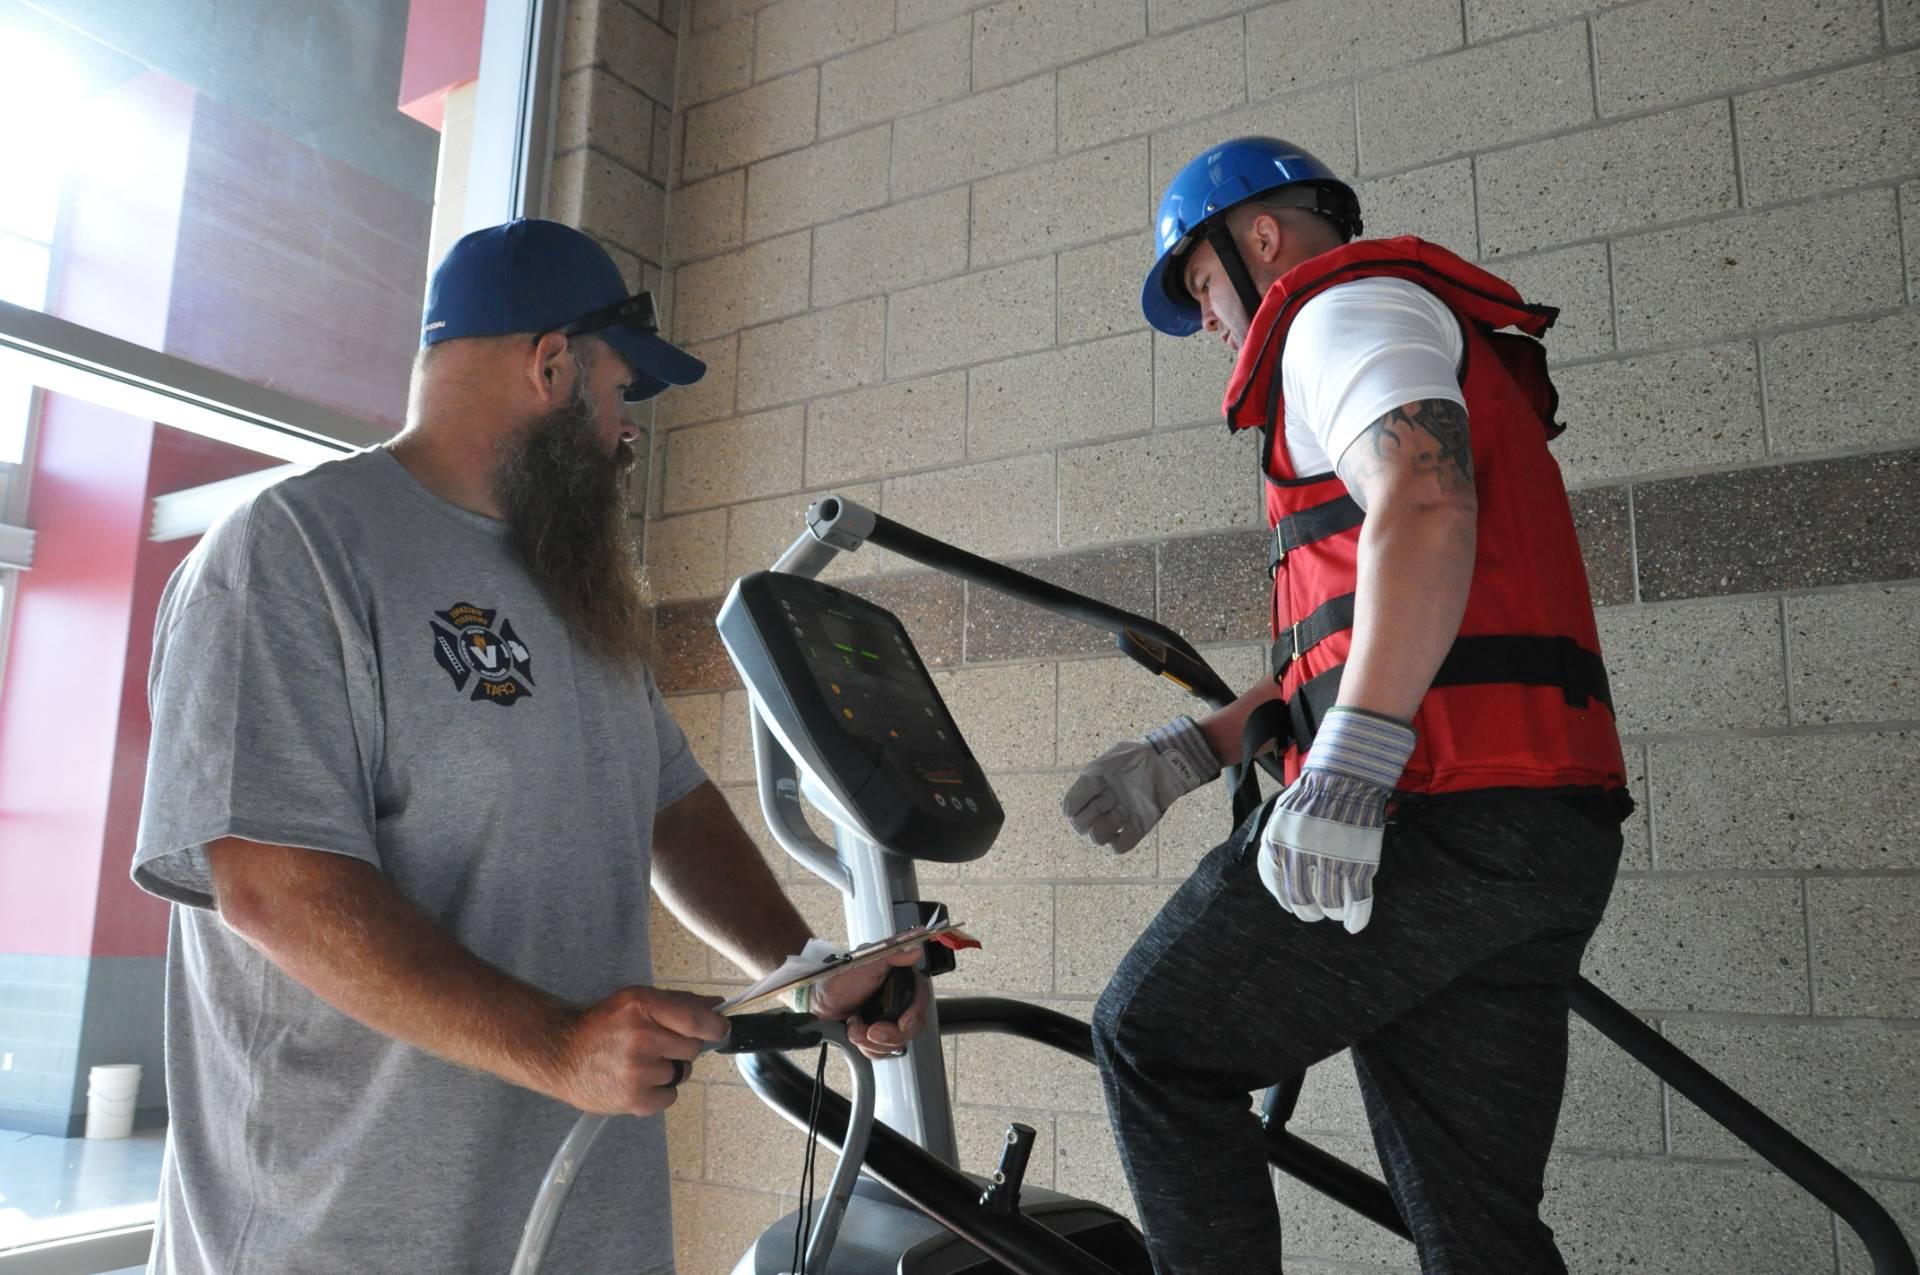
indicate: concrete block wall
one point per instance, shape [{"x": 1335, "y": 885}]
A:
[
  {"x": 612, "y": 128},
  {"x": 908, "y": 236}
]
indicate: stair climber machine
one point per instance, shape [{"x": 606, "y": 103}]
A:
[{"x": 846, "y": 718}]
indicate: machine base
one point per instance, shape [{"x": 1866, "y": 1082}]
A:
[{"x": 883, "y": 1237}]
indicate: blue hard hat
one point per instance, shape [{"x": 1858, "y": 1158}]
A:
[
  {"x": 531, "y": 275},
  {"x": 1228, "y": 174}
]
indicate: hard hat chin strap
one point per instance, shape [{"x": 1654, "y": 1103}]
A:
[{"x": 1231, "y": 261}]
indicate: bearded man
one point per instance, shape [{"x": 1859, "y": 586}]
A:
[{"x": 411, "y": 787}]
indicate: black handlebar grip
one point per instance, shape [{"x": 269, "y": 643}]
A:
[{"x": 773, "y": 1029}]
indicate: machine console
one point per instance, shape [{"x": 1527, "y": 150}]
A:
[{"x": 843, "y": 688}]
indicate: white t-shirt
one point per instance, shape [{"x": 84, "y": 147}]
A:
[{"x": 1357, "y": 351}]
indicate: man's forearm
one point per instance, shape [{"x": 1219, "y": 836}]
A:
[
  {"x": 707, "y": 870},
  {"x": 1415, "y": 567},
  {"x": 1224, "y": 727},
  {"x": 356, "y": 943}
]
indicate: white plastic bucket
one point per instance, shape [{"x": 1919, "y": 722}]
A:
[
  {"x": 113, "y": 1091},
  {"x": 109, "y": 1117},
  {"x": 114, "y": 1080}
]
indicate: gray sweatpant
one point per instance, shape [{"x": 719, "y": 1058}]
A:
[{"x": 1453, "y": 1000}]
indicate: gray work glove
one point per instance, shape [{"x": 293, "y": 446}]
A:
[
  {"x": 1320, "y": 850},
  {"x": 1123, "y": 792}
]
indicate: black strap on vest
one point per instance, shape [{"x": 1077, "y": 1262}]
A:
[
  {"x": 1335, "y": 615},
  {"x": 1528, "y": 660},
  {"x": 1267, "y": 724},
  {"x": 1312, "y": 524},
  {"x": 1520, "y": 659},
  {"x": 1484, "y": 660}
]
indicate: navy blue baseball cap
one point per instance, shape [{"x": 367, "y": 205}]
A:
[{"x": 540, "y": 276}]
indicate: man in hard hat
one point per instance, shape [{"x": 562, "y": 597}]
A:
[
  {"x": 1438, "y": 703},
  {"x": 413, "y": 788}
]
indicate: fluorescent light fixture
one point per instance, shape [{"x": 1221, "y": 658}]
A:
[
  {"x": 16, "y": 546},
  {"x": 180, "y": 514}
]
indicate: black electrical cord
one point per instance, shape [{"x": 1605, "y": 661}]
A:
[{"x": 803, "y": 1216}]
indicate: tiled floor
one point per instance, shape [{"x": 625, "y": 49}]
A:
[{"x": 56, "y": 1187}]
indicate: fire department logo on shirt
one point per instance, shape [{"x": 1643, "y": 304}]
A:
[{"x": 472, "y": 646}]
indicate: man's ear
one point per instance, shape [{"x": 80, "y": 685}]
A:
[
  {"x": 1265, "y": 238},
  {"x": 549, "y": 368}
]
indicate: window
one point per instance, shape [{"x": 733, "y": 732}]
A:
[
  {"x": 215, "y": 237},
  {"x": 246, "y": 196},
  {"x": 23, "y": 281},
  {"x": 29, "y": 204},
  {"x": 29, "y": 197},
  {"x": 24, "y": 266}
]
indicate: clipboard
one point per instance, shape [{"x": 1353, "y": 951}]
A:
[{"x": 796, "y": 972}]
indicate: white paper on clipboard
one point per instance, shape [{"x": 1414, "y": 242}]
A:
[{"x": 799, "y": 971}]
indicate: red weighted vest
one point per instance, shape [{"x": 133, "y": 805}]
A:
[{"x": 1521, "y": 700}]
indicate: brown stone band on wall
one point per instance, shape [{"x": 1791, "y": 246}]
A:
[
  {"x": 1805, "y": 526},
  {"x": 1809, "y": 525},
  {"x": 1000, "y": 628}
]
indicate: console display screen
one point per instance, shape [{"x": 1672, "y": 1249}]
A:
[{"x": 866, "y": 669}]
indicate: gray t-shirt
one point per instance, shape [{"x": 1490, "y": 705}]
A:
[{"x": 350, "y": 664}]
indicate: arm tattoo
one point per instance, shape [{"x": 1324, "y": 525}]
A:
[{"x": 1426, "y": 438}]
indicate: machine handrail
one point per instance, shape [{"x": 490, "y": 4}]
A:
[
  {"x": 918, "y": 547},
  {"x": 1813, "y": 1172}
]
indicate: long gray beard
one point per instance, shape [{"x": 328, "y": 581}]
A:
[{"x": 567, "y": 507}]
